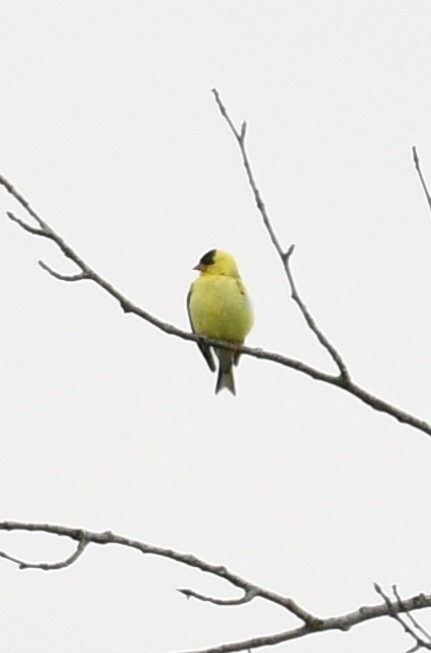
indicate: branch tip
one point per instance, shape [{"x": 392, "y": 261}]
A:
[
  {"x": 420, "y": 175},
  {"x": 184, "y": 592},
  {"x": 286, "y": 255},
  {"x": 62, "y": 277},
  {"x": 24, "y": 225}
]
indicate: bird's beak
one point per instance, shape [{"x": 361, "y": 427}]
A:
[{"x": 199, "y": 267}]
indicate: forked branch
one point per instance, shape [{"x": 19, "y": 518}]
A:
[
  {"x": 285, "y": 255},
  {"x": 421, "y": 637},
  {"x": 310, "y": 623},
  {"x": 341, "y": 380}
]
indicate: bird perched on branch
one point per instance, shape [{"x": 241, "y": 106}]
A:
[{"x": 219, "y": 308}]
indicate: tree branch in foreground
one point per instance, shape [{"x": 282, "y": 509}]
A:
[
  {"x": 311, "y": 623},
  {"x": 341, "y": 380}
]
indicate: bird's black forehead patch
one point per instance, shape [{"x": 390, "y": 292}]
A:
[{"x": 208, "y": 258}]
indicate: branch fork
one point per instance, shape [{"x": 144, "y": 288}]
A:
[{"x": 342, "y": 379}]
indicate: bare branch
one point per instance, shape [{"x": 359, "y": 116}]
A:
[
  {"x": 189, "y": 560},
  {"x": 10, "y": 189},
  {"x": 24, "y": 225},
  {"x": 393, "y": 611},
  {"x": 421, "y": 177},
  {"x": 310, "y": 320},
  {"x": 311, "y": 624},
  {"x": 409, "y": 616},
  {"x": 257, "y": 642},
  {"x": 46, "y": 566},
  {"x": 341, "y": 623},
  {"x": 246, "y": 598},
  {"x": 284, "y": 256},
  {"x": 341, "y": 380},
  {"x": 240, "y": 137},
  {"x": 63, "y": 277}
]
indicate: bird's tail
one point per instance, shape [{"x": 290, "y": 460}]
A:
[{"x": 225, "y": 371}]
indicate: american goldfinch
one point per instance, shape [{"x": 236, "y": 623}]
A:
[{"x": 219, "y": 308}]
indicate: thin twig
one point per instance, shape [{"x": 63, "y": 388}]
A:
[
  {"x": 63, "y": 277},
  {"x": 284, "y": 255},
  {"x": 345, "y": 375},
  {"x": 25, "y": 226},
  {"x": 394, "y": 610},
  {"x": 246, "y": 598},
  {"x": 341, "y": 380},
  {"x": 47, "y": 566},
  {"x": 409, "y": 616},
  {"x": 421, "y": 177}
]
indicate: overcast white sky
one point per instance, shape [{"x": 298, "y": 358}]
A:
[{"x": 108, "y": 127}]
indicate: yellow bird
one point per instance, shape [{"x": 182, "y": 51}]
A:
[{"x": 219, "y": 308}]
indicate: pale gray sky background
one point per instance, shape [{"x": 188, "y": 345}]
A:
[{"x": 108, "y": 127}]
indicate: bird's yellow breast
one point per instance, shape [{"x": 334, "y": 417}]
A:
[{"x": 219, "y": 308}]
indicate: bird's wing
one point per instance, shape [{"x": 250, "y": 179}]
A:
[
  {"x": 206, "y": 351},
  {"x": 243, "y": 293}
]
